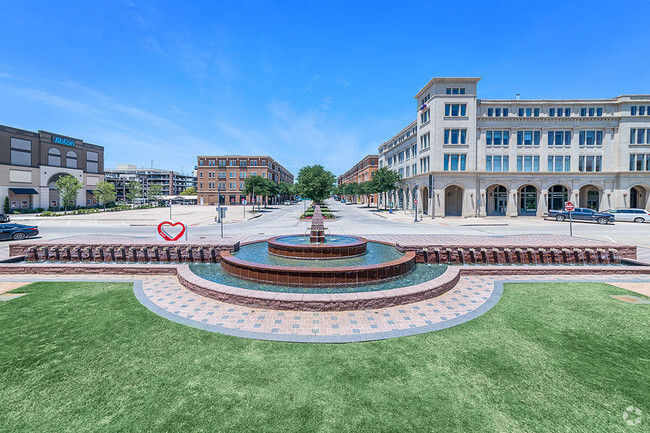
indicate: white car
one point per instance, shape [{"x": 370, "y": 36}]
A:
[{"x": 636, "y": 215}]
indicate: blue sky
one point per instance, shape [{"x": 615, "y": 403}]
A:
[{"x": 305, "y": 82}]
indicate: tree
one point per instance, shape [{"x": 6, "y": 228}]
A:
[
  {"x": 189, "y": 191},
  {"x": 255, "y": 186},
  {"x": 6, "y": 205},
  {"x": 285, "y": 189},
  {"x": 367, "y": 188},
  {"x": 315, "y": 182},
  {"x": 385, "y": 180},
  {"x": 134, "y": 191},
  {"x": 105, "y": 193},
  {"x": 68, "y": 187},
  {"x": 272, "y": 190},
  {"x": 154, "y": 191}
]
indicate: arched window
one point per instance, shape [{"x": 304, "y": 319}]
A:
[
  {"x": 71, "y": 159},
  {"x": 54, "y": 157}
]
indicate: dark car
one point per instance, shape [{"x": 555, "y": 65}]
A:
[
  {"x": 582, "y": 214},
  {"x": 17, "y": 231},
  {"x": 4, "y": 218}
]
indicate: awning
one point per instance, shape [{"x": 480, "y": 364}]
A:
[{"x": 23, "y": 190}]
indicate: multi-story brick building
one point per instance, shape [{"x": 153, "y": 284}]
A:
[
  {"x": 361, "y": 172},
  {"x": 476, "y": 157},
  {"x": 31, "y": 163},
  {"x": 172, "y": 182},
  {"x": 223, "y": 177}
]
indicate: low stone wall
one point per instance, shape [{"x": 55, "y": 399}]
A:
[
  {"x": 131, "y": 252},
  {"x": 521, "y": 254}
]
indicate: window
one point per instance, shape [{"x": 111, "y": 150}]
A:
[
  {"x": 528, "y": 138},
  {"x": 424, "y": 164},
  {"x": 528, "y": 163},
  {"x": 637, "y": 162},
  {"x": 590, "y": 163},
  {"x": 497, "y": 112},
  {"x": 408, "y": 155},
  {"x": 599, "y": 112},
  {"x": 590, "y": 138},
  {"x": 400, "y": 156},
  {"x": 426, "y": 99},
  {"x": 528, "y": 112},
  {"x": 21, "y": 152},
  {"x": 414, "y": 169},
  {"x": 242, "y": 175},
  {"x": 54, "y": 157},
  {"x": 497, "y": 163},
  {"x": 567, "y": 112},
  {"x": 233, "y": 175},
  {"x": 454, "y": 162},
  {"x": 200, "y": 162},
  {"x": 490, "y": 112},
  {"x": 455, "y": 91},
  {"x": 583, "y": 112},
  {"x": 559, "y": 138},
  {"x": 637, "y": 136},
  {"x": 71, "y": 159},
  {"x": 425, "y": 141},
  {"x": 536, "y": 112},
  {"x": 408, "y": 169},
  {"x": 559, "y": 163},
  {"x": 200, "y": 175},
  {"x": 401, "y": 172},
  {"x": 551, "y": 112},
  {"x": 414, "y": 150},
  {"x": 424, "y": 116},
  {"x": 222, "y": 163},
  {"x": 497, "y": 138},
  {"x": 92, "y": 162},
  {"x": 455, "y": 110},
  {"x": 242, "y": 163},
  {"x": 455, "y": 136},
  {"x": 390, "y": 161}
]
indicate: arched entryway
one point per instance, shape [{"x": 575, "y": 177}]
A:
[
  {"x": 527, "y": 200},
  {"x": 54, "y": 200},
  {"x": 589, "y": 197},
  {"x": 557, "y": 196},
  {"x": 497, "y": 200},
  {"x": 638, "y": 197},
  {"x": 400, "y": 199},
  {"x": 425, "y": 200},
  {"x": 453, "y": 201}
]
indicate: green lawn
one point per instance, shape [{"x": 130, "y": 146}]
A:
[{"x": 548, "y": 357}]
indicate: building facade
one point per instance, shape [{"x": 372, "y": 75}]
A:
[
  {"x": 31, "y": 162},
  {"x": 222, "y": 178},
  {"x": 172, "y": 182},
  {"x": 512, "y": 157},
  {"x": 362, "y": 172}
]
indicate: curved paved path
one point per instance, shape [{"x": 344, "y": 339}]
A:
[{"x": 470, "y": 298}]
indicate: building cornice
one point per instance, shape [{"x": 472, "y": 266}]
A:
[{"x": 467, "y": 80}]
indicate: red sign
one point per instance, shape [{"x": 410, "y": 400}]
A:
[
  {"x": 166, "y": 234},
  {"x": 568, "y": 206},
  {"x": 415, "y": 201}
]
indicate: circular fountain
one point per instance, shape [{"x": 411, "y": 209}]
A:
[
  {"x": 339, "y": 251},
  {"x": 317, "y": 272}
]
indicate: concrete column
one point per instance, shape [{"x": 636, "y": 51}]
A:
[
  {"x": 542, "y": 201},
  {"x": 483, "y": 197},
  {"x": 512, "y": 210},
  {"x": 440, "y": 203}
]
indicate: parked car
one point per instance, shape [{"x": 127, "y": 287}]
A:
[
  {"x": 17, "y": 231},
  {"x": 636, "y": 215},
  {"x": 4, "y": 218},
  {"x": 582, "y": 214}
]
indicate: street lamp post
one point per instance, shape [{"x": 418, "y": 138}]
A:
[
  {"x": 218, "y": 205},
  {"x": 415, "y": 203}
]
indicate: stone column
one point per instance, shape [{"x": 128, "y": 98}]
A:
[
  {"x": 440, "y": 203},
  {"x": 512, "y": 210}
]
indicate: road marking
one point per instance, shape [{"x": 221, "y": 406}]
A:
[
  {"x": 122, "y": 221},
  {"x": 68, "y": 223},
  {"x": 609, "y": 238},
  {"x": 96, "y": 223}
]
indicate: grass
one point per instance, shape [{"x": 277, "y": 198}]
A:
[{"x": 548, "y": 357}]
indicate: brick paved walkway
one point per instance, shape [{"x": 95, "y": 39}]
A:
[{"x": 472, "y": 297}]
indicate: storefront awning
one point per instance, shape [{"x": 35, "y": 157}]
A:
[{"x": 23, "y": 190}]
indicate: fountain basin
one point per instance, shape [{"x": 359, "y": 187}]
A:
[
  {"x": 334, "y": 247},
  {"x": 313, "y": 276}
]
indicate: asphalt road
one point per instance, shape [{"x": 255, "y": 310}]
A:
[{"x": 351, "y": 219}]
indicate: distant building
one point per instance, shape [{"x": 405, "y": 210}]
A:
[
  {"x": 361, "y": 172},
  {"x": 172, "y": 182},
  {"x": 31, "y": 162},
  {"x": 223, "y": 177}
]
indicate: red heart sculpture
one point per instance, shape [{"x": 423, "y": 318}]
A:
[{"x": 166, "y": 236}]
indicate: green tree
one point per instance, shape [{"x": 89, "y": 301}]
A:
[
  {"x": 6, "y": 207},
  {"x": 272, "y": 190},
  {"x": 368, "y": 188},
  {"x": 68, "y": 187},
  {"x": 315, "y": 182},
  {"x": 189, "y": 191},
  {"x": 105, "y": 193},
  {"x": 255, "y": 186},
  {"x": 385, "y": 180},
  {"x": 154, "y": 192},
  {"x": 285, "y": 190},
  {"x": 133, "y": 191}
]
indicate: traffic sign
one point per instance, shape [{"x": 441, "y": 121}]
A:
[
  {"x": 415, "y": 201},
  {"x": 568, "y": 206}
]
